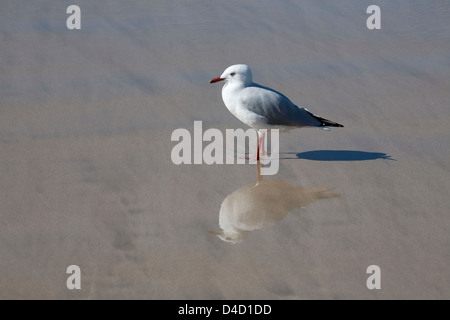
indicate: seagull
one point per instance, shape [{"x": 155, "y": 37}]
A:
[{"x": 264, "y": 108}]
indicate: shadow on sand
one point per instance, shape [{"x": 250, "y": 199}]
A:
[{"x": 337, "y": 155}]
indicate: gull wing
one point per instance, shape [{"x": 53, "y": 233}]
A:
[{"x": 279, "y": 110}]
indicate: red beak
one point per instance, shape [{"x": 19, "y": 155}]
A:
[{"x": 217, "y": 79}]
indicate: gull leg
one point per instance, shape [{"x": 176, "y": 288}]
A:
[
  {"x": 262, "y": 143},
  {"x": 260, "y": 148},
  {"x": 261, "y": 137},
  {"x": 257, "y": 149}
]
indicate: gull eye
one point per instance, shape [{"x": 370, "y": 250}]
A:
[{"x": 233, "y": 74}]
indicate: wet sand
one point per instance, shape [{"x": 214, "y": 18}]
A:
[{"x": 86, "y": 119}]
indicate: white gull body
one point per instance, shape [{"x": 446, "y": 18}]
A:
[{"x": 263, "y": 108}]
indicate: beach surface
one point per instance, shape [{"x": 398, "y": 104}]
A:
[{"x": 87, "y": 178}]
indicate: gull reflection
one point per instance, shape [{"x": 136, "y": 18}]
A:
[{"x": 259, "y": 205}]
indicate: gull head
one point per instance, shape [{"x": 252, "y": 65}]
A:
[{"x": 238, "y": 73}]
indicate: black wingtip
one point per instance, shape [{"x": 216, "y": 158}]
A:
[{"x": 325, "y": 122}]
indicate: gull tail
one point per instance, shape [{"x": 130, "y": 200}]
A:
[{"x": 325, "y": 122}]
